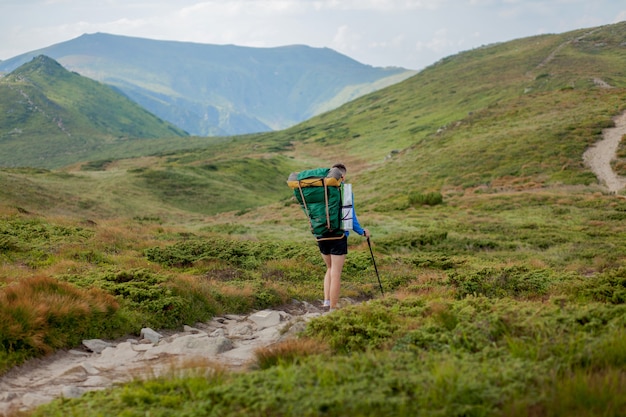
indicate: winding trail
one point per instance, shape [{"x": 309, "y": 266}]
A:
[{"x": 599, "y": 156}]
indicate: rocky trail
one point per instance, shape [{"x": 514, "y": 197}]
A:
[{"x": 228, "y": 342}]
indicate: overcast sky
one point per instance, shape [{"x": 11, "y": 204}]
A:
[{"x": 406, "y": 33}]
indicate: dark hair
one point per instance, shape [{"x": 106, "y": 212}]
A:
[{"x": 341, "y": 167}]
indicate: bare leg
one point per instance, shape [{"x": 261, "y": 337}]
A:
[
  {"x": 332, "y": 278},
  {"x": 327, "y": 261}
]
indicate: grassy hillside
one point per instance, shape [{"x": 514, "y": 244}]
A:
[
  {"x": 51, "y": 117},
  {"x": 525, "y": 109},
  {"x": 502, "y": 259}
]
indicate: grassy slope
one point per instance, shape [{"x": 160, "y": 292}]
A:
[
  {"x": 505, "y": 300},
  {"x": 51, "y": 117}
]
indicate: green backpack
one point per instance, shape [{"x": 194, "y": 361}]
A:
[{"x": 319, "y": 192}]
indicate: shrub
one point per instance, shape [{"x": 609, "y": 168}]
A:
[
  {"x": 290, "y": 351},
  {"x": 608, "y": 287},
  {"x": 514, "y": 281},
  {"x": 244, "y": 253},
  {"x": 161, "y": 301},
  {"x": 154, "y": 300},
  {"x": 425, "y": 199},
  {"x": 355, "y": 329},
  {"x": 412, "y": 240}
]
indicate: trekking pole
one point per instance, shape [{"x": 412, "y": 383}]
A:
[{"x": 375, "y": 267}]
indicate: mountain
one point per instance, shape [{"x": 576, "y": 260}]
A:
[
  {"x": 50, "y": 116},
  {"x": 511, "y": 116},
  {"x": 220, "y": 89}
]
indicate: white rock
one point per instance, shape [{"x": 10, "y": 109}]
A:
[
  {"x": 189, "y": 329},
  {"x": 265, "y": 318},
  {"x": 241, "y": 330},
  {"x": 217, "y": 333},
  {"x": 7, "y": 396},
  {"x": 151, "y": 335},
  {"x": 96, "y": 381},
  {"x": 194, "y": 344},
  {"x": 89, "y": 368},
  {"x": 143, "y": 347},
  {"x": 72, "y": 392},
  {"x": 30, "y": 400},
  {"x": 96, "y": 345},
  {"x": 116, "y": 356},
  {"x": 77, "y": 352}
]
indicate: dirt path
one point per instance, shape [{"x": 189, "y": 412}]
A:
[
  {"x": 227, "y": 342},
  {"x": 598, "y": 157}
]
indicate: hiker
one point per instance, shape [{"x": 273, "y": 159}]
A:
[
  {"x": 328, "y": 203},
  {"x": 334, "y": 251}
]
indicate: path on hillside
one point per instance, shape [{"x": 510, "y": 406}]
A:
[
  {"x": 228, "y": 342},
  {"x": 599, "y": 156}
]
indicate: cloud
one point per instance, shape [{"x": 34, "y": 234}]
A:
[
  {"x": 438, "y": 43},
  {"x": 408, "y": 33},
  {"x": 345, "y": 39},
  {"x": 302, "y": 7}
]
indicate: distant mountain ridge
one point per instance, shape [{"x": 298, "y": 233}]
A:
[{"x": 220, "y": 89}]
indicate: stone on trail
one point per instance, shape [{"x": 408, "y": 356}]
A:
[
  {"x": 96, "y": 345},
  {"x": 242, "y": 331},
  {"x": 151, "y": 335},
  {"x": 265, "y": 318},
  {"x": 30, "y": 400},
  {"x": 72, "y": 391},
  {"x": 200, "y": 345}
]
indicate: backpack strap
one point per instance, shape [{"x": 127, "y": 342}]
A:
[
  {"x": 326, "y": 201},
  {"x": 306, "y": 209}
]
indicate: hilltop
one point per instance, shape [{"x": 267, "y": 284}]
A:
[
  {"x": 50, "y": 116},
  {"x": 220, "y": 90}
]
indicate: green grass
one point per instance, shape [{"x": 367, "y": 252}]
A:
[
  {"x": 505, "y": 298},
  {"x": 52, "y": 117}
]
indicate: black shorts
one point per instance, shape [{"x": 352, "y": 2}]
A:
[{"x": 334, "y": 246}]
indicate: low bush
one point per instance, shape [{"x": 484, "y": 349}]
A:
[
  {"x": 244, "y": 253},
  {"x": 412, "y": 240},
  {"x": 355, "y": 329},
  {"x": 513, "y": 281},
  {"x": 609, "y": 286},
  {"x": 417, "y": 198},
  {"x": 290, "y": 351},
  {"x": 154, "y": 300}
]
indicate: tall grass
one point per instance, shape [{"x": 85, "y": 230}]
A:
[{"x": 41, "y": 314}]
